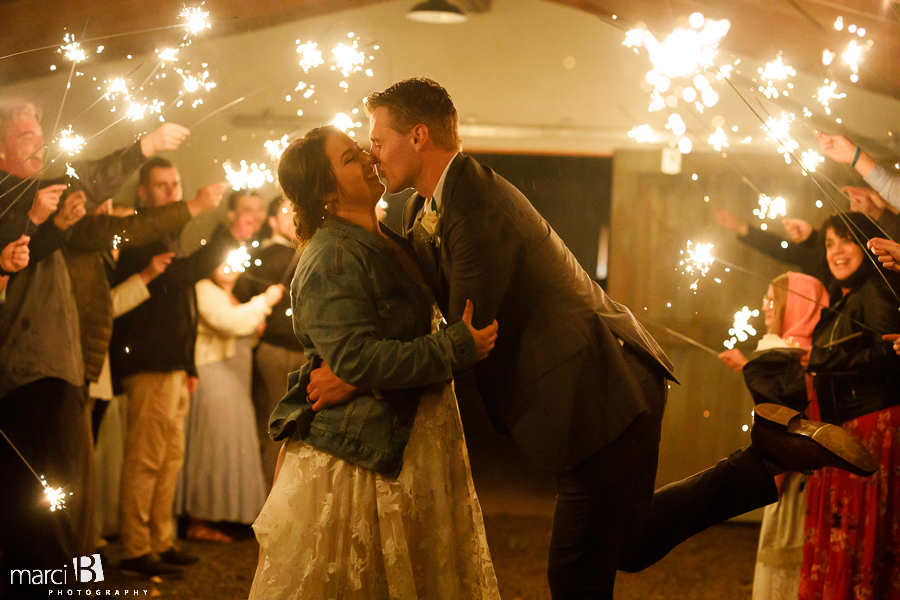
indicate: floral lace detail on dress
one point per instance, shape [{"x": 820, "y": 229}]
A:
[{"x": 334, "y": 530}]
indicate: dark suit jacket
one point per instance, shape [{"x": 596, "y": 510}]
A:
[{"x": 557, "y": 380}]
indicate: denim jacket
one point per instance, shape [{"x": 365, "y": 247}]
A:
[{"x": 355, "y": 307}]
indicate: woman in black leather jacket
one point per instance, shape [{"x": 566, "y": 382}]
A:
[{"x": 852, "y": 545}]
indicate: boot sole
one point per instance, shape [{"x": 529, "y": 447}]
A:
[{"x": 846, "y": 450}]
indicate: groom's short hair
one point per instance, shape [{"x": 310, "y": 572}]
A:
[{"x": 419, "y": 101}]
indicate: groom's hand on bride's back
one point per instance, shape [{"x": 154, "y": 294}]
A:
[
  {"x": 326, "y": 389},
  {"x": 484, "y": 338}
]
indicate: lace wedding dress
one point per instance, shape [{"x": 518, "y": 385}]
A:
[{"x": 331, "y": 529}]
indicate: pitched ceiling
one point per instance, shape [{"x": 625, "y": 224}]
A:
[{"x": 759, "y": 28}]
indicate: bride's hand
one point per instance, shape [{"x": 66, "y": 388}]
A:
[
  {"x": 326, "y": 389},
  {"x": 484, "y": 338}
]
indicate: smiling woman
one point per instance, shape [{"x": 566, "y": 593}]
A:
[
  {"x": 852, "y": 523},
  {"x": 374, "y": 491}
]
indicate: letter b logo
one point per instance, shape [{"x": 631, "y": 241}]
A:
[{"x": 90, "y": 569}]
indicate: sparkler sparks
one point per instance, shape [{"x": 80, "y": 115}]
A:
[
  {"x": 249, "y": 177},
  {"x": 70, "y": 142},
  {"x": 344, "y": 122},
  {"x": 237, "y": 260},
  {"x": 70, "y": 172},
  {"x": 778, "y": 130},
  {"x": 699, "y": 259},
  {"x": 718, "y": 140},
  {"x": 276, "y": 147},
  {"x": 168, "y": 55},
  {"x": 770, "y": 208},
  {"x": 642, "y": 134},
  {"x": 775, "y": 71},
  {"x": 684, "y": 51},
  {"x": 810, "y": 159},
  {"x": 852, "y": 56},
  {"x": 197, "y": 19},
  {"x": 826, "y": 94},
  {"x": 72, "y": 50},
  {"x": 310, "y": 58},
  {"x": 349, "y": 58},
  {"x": 741, "y": 330},
  {"x": 55, "y": 496},
  {"x": 192, "y": 83},
  {"x": 116, "y": 86}
]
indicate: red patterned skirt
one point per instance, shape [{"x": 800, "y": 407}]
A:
[{"x": 852, "y": 544}]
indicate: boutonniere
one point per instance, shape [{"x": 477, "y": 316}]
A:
[{"x": 430, "y": 223}]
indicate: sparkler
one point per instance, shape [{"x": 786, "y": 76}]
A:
[
  {"x": 642, "y": 133},
  {"x": 192, "y": 83},
  {"x": 826, "y": 94},
  {"x": 770, "y": 208},
  {"x": 699, "y": 259},
  {"x": 718, "y": 140},
  {"x": 70, "y": 172},
  {"x": 249, "y": 177},
  {"x": 810, "y": 159},
  {"x": 775, "y": 71},
  {"x": 741, "y": 330},
  {"x": 349, "y": 58},
  {"x": 197, "y": 19},
  {"x": 55, "y": 496},
  {"x": 116, "y": 86},
  {"x": 70, "y": 142},
  {"x": 344, "y": 122},
  {"x": 237, "y": 260},
  {"x": 276, "y": 147},
  {"x": 310, "y": 58},
  {"x": 72, "y": 50},
  {"x": 778, "y": 129}
]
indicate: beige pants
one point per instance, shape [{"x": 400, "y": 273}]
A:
[{"x": 154, "y": 452}]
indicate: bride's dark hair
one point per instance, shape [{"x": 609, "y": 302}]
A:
[{"x": 304, "y": 173}]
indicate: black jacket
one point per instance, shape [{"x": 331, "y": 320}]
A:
[
  {"x": 159, "y": 335},
  {"x": 276, "y": 265},
  {"x": 557, "y": 379},
  {"x": 854, "y": 371}
]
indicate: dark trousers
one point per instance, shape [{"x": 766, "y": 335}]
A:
[
  {"x": 609, "y": 518},
  {"x": 47, "y": 420}
]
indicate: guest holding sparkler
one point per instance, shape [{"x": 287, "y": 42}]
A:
[
  {"x": 42, "y": 406},
  {"x": 152, "y": 356},
  {"x": 775, "y": 374},
  {"x": 842, "y": 150},
  {"x": 853, "y": 523},
  {"x": 222, "y": 478},
  {"x": 279, "y": 351}
]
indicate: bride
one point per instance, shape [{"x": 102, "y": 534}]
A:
[{"x": 373, "y": 497}]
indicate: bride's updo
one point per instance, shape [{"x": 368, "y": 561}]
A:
[{"x": 304, "y": 173}]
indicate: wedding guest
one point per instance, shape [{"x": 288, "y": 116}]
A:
[
  {"x": 853, "y": 523},
  {"x": 775, "y": 374},
  {"x": 152, "y": 358},
  {"x": 222, "y": 478},
  {"x": 42, "y": 405},
  {"x": 842, "y": 150},
  {"x": 279, "y": 351}
]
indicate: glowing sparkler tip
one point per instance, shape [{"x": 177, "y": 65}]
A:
[
  {"x": 55, "y": 496},
  {"x": 249, "y": 177},
  {"x": 197, "y": 19},
  {"x": 69, "y": 142}
]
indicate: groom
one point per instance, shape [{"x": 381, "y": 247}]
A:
[{"x": 574, "y": 378}]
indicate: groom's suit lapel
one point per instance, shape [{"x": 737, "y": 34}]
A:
[{"x": 427, "y": 254}]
